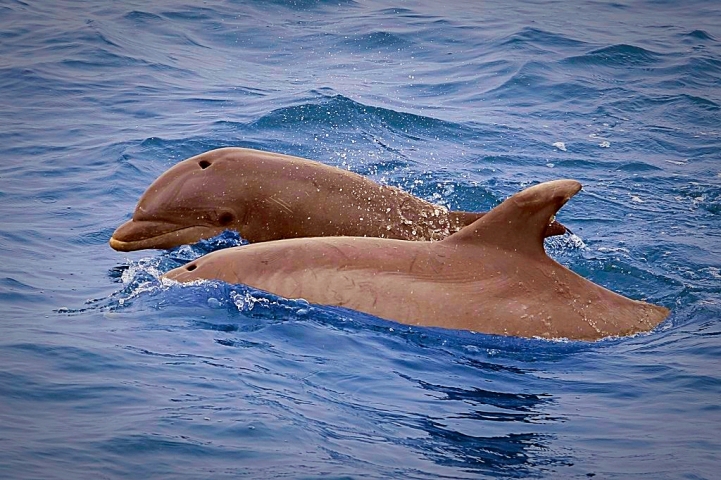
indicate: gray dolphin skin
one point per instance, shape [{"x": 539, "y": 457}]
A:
[
  {"x": 492, "y": 276},
  {"x": 270, "y": 196}
]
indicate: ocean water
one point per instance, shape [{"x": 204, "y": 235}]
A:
[{"x": 105, "y": 373}]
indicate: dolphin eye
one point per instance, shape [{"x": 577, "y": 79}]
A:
[
  {"x": 190, "y": 268},
  {"x": 204, "y": 164},
  {"x": 225, "y": 219}
]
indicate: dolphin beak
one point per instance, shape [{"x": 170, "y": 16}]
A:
[
  {"x": 131, "y": 236},
  {"x": 141, "y": 234},
  {"x": 119, "y": 246},
  {"x": 137, "y": 235}
]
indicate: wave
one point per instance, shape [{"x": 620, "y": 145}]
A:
[
  {"x": 336, "y": 111},
  {"x": 700, "y": 35},
  {"x": 539, "y": 41},
  {"x": 617, "y": 56}
]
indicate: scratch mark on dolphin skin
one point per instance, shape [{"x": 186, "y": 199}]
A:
[
  {"x": 413, "y": 263},
  {"x": 282, "y": 204},
  {"x": 339, "y": 251}
]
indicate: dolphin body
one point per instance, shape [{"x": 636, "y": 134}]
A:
[
  {"x": 492, "y": 276},
  {"x": 270, "y": 196}
]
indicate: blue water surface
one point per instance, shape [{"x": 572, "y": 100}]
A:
[{"x": 106, "y": 373}]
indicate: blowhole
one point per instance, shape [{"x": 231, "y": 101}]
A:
[
  {"x": 225, "y": 219},
  {"x": 190, "y": 268},
  {"x": 204, "y": 164}
]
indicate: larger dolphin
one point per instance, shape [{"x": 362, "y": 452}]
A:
[
  {"x": 270, "y": 196},
  {"x": 493, "y": 276}
]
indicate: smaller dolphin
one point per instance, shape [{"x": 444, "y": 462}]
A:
[
  {"x": 493, "y": 276},
  {"x": 270, "y": 196}
]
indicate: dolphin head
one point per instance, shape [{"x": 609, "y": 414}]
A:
[{"x": 190, "y": 202}]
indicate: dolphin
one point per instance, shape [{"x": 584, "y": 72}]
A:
[
  {"x": 270, "y": 196},
  {"x": 493, "y": 276}
]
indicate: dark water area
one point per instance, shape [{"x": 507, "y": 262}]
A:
[{"x": 107, "y": 373}]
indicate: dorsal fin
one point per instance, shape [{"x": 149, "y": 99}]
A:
[{"x": 520, "y": 221}]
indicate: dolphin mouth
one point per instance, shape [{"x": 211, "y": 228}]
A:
[{"x": 143, "y": 234}]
